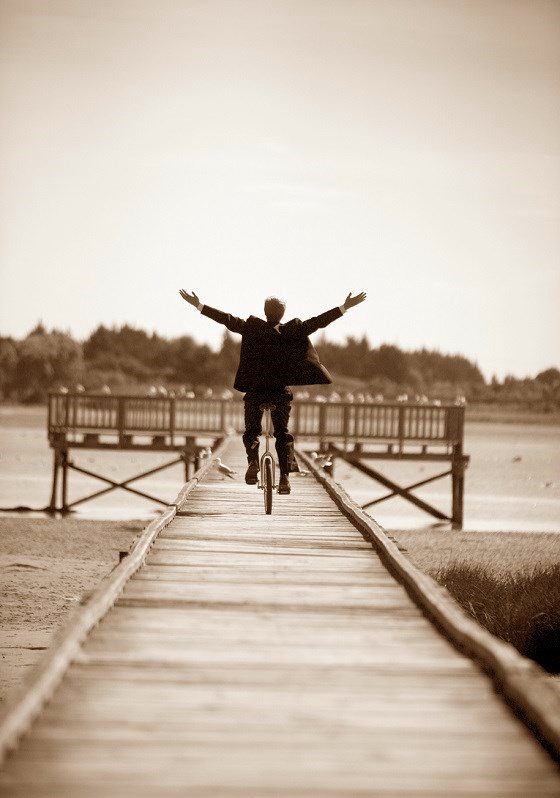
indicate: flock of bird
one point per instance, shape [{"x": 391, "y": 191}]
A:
[{"x": 162, "y": 392}]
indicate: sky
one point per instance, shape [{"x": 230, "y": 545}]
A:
[{"x": 299, "y": 148}]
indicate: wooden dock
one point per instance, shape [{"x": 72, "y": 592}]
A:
[
  {"x": 255, "y": 655},
  {"x": 419, "y": 432}
]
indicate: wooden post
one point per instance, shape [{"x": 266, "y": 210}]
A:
[
  {"x": 345, "y": 424},
  {"x": 458, "y": 473},
  {"x": 457, "y": 488},
  {"x": 401, "y": 428},
  {"x": 54, "y": 491},
  {"x": 172, "y": 422},
  {"x": 64, "y": 462},
  {"x": 322, "y": 411},
  {"x": 120, "y": 420}
]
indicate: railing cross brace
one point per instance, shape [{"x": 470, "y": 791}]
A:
[
  {"x": 397, "y": 490},
  {"x": 407, "y": 488},
  {"x": 124, "y": 485}
]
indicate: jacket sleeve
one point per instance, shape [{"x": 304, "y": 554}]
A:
[
  {"x": 311, "y": 325},
  {"x": 233, "y": 323}
]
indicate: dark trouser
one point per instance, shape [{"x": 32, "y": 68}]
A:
[{"x": 282, "y": 399}]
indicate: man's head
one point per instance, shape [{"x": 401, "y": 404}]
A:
[{"x": 274, "y": 309}]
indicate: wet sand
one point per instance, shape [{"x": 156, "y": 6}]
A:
[{"x": 47, "y": 566}]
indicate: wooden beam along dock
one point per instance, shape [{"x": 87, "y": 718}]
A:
[{"x": 297, "y": 654}]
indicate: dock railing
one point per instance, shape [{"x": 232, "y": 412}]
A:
[{"x": 75, "y": 416}]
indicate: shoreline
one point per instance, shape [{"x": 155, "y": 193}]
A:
[{"x": 488, "y": 415}]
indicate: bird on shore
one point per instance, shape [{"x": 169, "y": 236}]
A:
[
  {"x": 205, "y": 453},
  {"x": 224, "y": 469}
]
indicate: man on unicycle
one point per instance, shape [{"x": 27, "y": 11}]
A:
[{"x": 273, "y": 356}]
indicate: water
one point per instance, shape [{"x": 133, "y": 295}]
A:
[{"x": 512, "y": 483}]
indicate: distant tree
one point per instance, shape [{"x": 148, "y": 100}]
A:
[
  {"x": 193, "y": 363},
  {"x": 228, "y": 358},
  {"x": 123, "y": 364},
  {"x": 130, "y": 359},
  {"x": 333, "y": 355},
  {"x": 357, "y": 354},
  {"x": 549, "y": 377},
  {"x": 99, "y": 342},
  {"x": 44, "y": 361},
  {"x": 391, "y": 362},
  {"x": 8, "y": 365},
  {"x": 436, "y": 366},
  {"x": 151, "y": 350}
]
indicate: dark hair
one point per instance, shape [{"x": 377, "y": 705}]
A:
[{"x": 274, "y": 309}]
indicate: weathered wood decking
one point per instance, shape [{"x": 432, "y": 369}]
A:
[{"x": 259, "y": 655}]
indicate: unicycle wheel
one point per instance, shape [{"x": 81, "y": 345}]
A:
[{"x": 267, "y": 486}]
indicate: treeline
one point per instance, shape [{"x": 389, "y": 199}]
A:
[{"x": 131, "y": 360}]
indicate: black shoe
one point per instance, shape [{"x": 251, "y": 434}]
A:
[
  {"x": 284, "y": 484},
  {"x": 252, "y": 473}
]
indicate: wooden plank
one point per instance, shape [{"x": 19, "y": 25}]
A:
[
  {"x": 256, "y": 575},
  {"x": 262, "y": 545}
]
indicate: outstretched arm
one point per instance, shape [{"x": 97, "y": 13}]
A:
[
  {"x": 312, "y": 325},
  {"x": 233, "y": 323}
]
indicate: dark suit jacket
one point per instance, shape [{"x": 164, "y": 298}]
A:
[{"x": 273, "y": 358}]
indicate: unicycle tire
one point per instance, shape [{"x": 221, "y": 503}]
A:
[{"x": 267, "y": 486}]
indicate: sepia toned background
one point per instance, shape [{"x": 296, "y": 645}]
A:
[{"x": 410, "y": 149}]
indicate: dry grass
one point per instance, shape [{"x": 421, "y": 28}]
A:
[
  {"x": 509, "y": 582},
  {"x": 522, "y": 608}
]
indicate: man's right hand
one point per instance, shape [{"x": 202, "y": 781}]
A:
[
  {"x": 192, "y": 299},
  {"x": 350, "y": 300}
]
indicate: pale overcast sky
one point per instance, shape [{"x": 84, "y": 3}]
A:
[{"x": 305, "y": 148}]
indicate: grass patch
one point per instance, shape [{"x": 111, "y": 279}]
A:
[
  {"x": 522, "y": 608},
  {"x": 508, "y": 582}
]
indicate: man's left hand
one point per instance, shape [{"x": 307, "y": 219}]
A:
[{"x": 351, "y": 301}]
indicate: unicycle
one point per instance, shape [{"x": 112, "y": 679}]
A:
[{"x": 268, "y": 466}]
